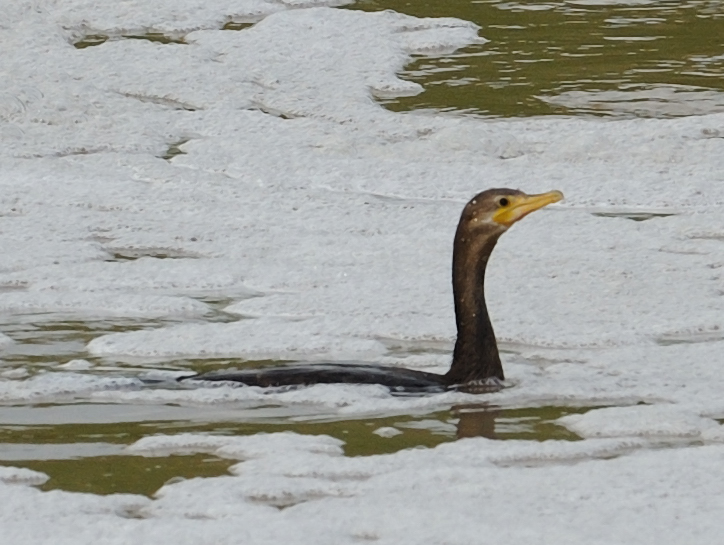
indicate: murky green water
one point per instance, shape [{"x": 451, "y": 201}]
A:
[
  {"x": 642, "y": 58},
  {"x": 82, "y": 446}
]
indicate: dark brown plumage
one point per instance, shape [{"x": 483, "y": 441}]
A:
[{"x": 476, "y": 365}]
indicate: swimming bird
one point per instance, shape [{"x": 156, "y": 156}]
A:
[{"x": 476, "y": 365}]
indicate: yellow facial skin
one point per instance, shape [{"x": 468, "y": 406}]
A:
[{"x": 516, "y": 207}]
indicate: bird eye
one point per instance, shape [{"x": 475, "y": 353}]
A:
[{"x": 503, "y": 202}]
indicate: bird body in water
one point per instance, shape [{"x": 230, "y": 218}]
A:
[{"x": 476, "y": 365}]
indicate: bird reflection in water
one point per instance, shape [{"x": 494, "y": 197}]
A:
[{"x": 476, "y": 420}]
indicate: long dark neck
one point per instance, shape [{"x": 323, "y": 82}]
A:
[{"x": 476, "y": 352}]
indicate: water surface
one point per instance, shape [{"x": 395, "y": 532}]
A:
[
  {"x": 584, "y": 57},
  {"x": 639, "y": 58},
  {"x": 81, "y": 446}
]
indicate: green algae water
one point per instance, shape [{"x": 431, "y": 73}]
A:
[
  {"x": 596, "y": 57},
  {"x": 83, "y": 455}
]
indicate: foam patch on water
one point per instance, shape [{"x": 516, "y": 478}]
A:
[
  {"x": 644, "y": 260},
  {"x": 240, "y": 448},
  {"x": 142, "y": 275},
  {"x": 647, "y": 101},
  {"x": 680, "y": 374},
  {"x": 250, "y": 340},
  {"x": 172, "y": 17},
  {"x": 5, "y": 341},
  {"x": 15, "y": 373},
  {"x": 609, "y": 2},
  {"x": 20, "y": 475},
  {"x": 642, "y": 421},
  {"x": 263, "y": 446},
  {"x": 57, "y": 386},
  {"x": 387, "y": 431},
  {"x": 90, "y": 305},
  {"x": 318, "y": 470},
  {"x": 270, "y": 475},
  {"x": 456, "y": 478},
  {"x": 76, "y": 365}
]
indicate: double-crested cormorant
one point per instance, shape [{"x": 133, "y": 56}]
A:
[{"x": 476, "y": 363}]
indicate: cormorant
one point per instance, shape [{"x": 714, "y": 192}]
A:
[{"x": 476, "y": 363}]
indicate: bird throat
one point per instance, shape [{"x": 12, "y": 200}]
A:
[{"x": 476, "y": 356}]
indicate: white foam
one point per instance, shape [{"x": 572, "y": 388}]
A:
[
  {"x": 76, "y": 365},
  {"x": 141, "y": 275},
  {"x": 250, "y": 340},
  {"x": 387, "y": 432},
  {"x": 609, "y": 2},
  {"x": 644, "y": 260},
  {"x": 5, "y": 341},
  {"x": 59, "y": 386},
  {"x": 20, "y": 475},
  {"x": 647, "y": 421},
  {"x": 646, "y": 101},
  {"x": 17, "y": 372},
  {"x": 90, "y": 305},
  {"x": 455, "y": 478},
  {"x": 137, "y": 17},
  {"x": 240, "y": 448}
]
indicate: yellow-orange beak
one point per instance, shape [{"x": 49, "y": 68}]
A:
[{"x": 522, "y": 205}]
